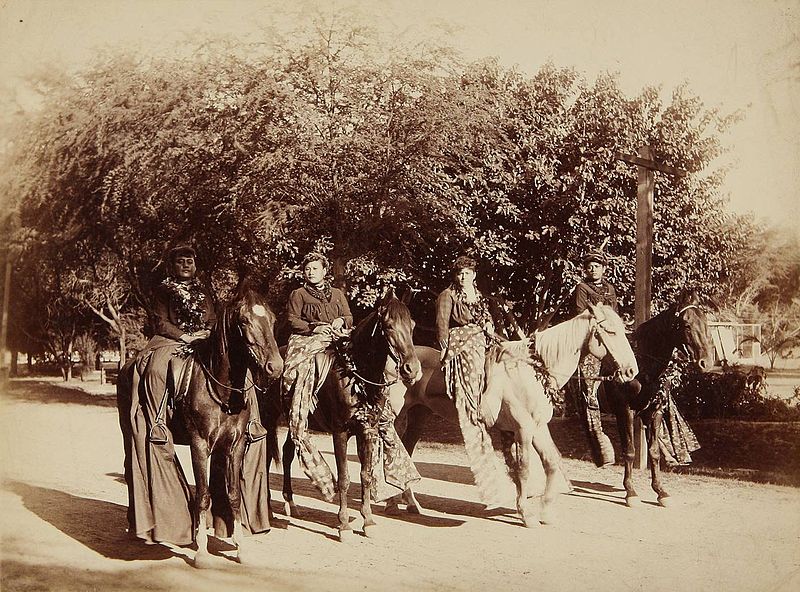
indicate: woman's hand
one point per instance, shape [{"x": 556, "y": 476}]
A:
[
  {"x": 337, "y": 324},
  {"x": 322, "y": 329},
  {"x": 196, "y": 336}
]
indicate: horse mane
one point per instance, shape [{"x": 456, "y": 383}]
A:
[{"x": 560, "y": 346}]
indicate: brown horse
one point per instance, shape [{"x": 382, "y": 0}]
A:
[
  {"x": 215, "y": 412},
  {"x": 515, "y": 396},
  {"x": 381, "y": 340},
  {"x": 681, "y": 326}
]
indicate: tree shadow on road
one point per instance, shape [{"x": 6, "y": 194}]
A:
[
  {"x": 96, "y": 524},
  {"x": 36, "y": 391}
]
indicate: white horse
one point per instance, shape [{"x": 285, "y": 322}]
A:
[{"x": 514, "y": 401}]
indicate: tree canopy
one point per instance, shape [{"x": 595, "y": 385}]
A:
[{"x": 392, "y": 160}]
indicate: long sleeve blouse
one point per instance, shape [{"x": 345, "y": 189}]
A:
[
  {"x": 452, "y": 311},
  {"x": 306, "y": 311}
]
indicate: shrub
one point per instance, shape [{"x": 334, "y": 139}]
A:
[{"x": 734, "y": 392}]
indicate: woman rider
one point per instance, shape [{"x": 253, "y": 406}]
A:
[
  {"x": 158, "y": 492},
  {"x": 319, "y": 314},
  {"x": 464, "y": 329},
  {"x": 594, "y": 289}
]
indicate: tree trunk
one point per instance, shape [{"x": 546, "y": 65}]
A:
[
  {"x": 14, "y": 369},
  {"x": 123, "y": 354}
]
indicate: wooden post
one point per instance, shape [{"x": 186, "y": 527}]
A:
[
  {"x": 645, "y": 166},
  {"x": 644, "y": 272},
  {"x": 4, "y": 371}
]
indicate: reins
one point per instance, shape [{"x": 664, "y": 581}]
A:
[{"x": 351, "y": 366}]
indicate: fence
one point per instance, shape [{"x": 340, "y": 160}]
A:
[{"x": 736, "y": 343}]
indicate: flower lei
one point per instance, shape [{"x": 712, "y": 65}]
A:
[
  {"x": 478, "y": 309},
  {"x": 189, "y": 303},
  {"x": 324, "y": 293}
]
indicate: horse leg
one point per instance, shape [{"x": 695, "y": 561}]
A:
[
  {"x": 366, "y": 455},
  {"x": 289, "y": 507},
  {"x": 416, "y": 418},
  {"x": 654, "y": 458},
  {"x": 235, "y": 457},
  {"x": 625, "y": 425},
  {"x": 343, "y": 477},
  {"x": 551, "y": 462},
  {"x": 200, "y": 453},
  {"x": 524, "y": 441}
]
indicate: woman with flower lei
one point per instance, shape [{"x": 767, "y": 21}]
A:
[
  {"x": 464, "y": 329},
  {"x": 158, "y": 493}
]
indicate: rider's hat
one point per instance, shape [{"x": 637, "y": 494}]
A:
[
  {"x": 184, "y": 250},
  {"x": 597, "y": 256}
]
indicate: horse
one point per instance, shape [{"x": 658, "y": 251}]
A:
[
  {"x": 213, "y": 411},
  {"x": 381, "y": 340},
  {"x": 683, "y": 325},
  {"x": 515, "y": 396}
]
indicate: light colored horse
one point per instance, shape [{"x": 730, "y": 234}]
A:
[{"x": 514, "y": 401}]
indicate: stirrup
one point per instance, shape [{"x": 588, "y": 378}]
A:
[
  {"x": 158, "y": 434},
  {"x": 255, "y": 431}
]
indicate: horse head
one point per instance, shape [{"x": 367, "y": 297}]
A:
[
  {"x": 397, "y": 326},
  {"x": 254, "y": 324},
  {"x": 691, "y": 331},
  {"x": 607, "y": 336}
]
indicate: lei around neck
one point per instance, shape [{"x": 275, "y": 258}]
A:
[{"x": 188, "y": 301}]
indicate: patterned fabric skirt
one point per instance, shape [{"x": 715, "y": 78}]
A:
[
  {"x": 464, "y": 372},
  {"x": 676, "y": 439},
  {"x": 308, "y": 361}
]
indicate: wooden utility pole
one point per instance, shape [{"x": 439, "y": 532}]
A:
[
  {"x": 4, "y": 370},
  {"x": 645, "y": 166}
]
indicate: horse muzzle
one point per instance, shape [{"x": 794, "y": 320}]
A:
[
  {"x": 411, "y": 372},
  {"x": 625, "y": 374}
]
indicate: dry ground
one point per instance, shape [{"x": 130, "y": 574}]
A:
[{"x": 63, "y": 523}]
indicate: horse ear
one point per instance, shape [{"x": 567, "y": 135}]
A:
[{"x": 387, "y": 296}]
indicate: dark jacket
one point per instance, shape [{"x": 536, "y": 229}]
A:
[
  {"x": 168, "y": 318},
  {"x": 585, "y": 293},
  {"x": 305, "y": 311}
]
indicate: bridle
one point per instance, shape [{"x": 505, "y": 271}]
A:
[
  {"x": 685, "y": 346},
  {"x": 392, "y": 354}
]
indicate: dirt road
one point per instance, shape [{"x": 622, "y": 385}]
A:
[{"x": 63, "y": 521}]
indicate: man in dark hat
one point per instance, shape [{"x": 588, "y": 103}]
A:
[{"x": 594, "y": 289}]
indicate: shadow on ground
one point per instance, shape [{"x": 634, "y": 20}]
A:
[{"x": 46, "y": 392}]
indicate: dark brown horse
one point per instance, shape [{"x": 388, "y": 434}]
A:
[
  {"x": 682, "y": 326},
  {"x": 214, "y": 412},
  {"x": 515, "y": 397},
  {"x": 382, "y": 339}
]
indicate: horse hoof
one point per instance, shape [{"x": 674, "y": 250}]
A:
[
  {"x": 203, "y": 560},
  {"x": 371, "y": 531},
  {"x": 391, "y": 509},
  {"x": 665, "y": 501},
  {"x": 548, "y": 516},
  {"x": 290, "y": 510},
  {"x": 633, "y": 501},
  {"x": 345, "y": 536},
  {"x": 413, "y": 509},
  {"x": 529, "y": 523},
  {"x": 244, "y": 557}
]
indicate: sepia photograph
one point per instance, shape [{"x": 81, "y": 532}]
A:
[{"x": 425, "y": 295}]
